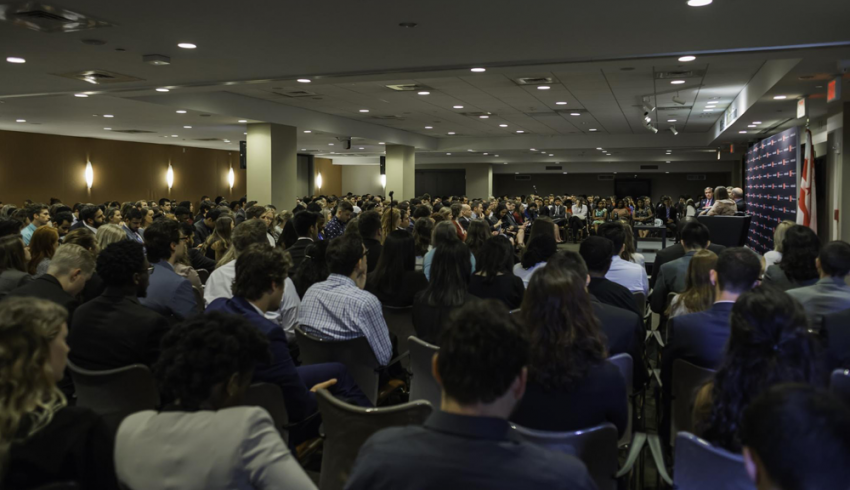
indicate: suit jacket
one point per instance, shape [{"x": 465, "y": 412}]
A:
[
  {"x": 11, "y": 280},
  {"x": 48, "y": 287},
  {"x": 113, "y": 331},
  {"x": 664, "y": 213},
  {"x": 671, "y": 279},
  {"x": 133, "y": 235},
  {"x": 373, "y": 253},
  {"x": 705, "y": 204},
  {"x": 464, "y": 222},
  {"x": 169, "y": 294},
  {"x": 625, "y": 333},
  {"x": 775, "y": 276},
  {"x": 610, "y": 293},
  {"x": 837, "y": 329},
  {"x": 201, "y": 232},
  {"x": 297, "y": 251},
  {"x": 828, "y": 295},
  {"x": 741, "y": 205},
  {"x": 672, "y": 253},
  {"x": 558, "y": 212}
]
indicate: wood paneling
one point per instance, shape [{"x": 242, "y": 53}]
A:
[{"x": 331, "y": 176}]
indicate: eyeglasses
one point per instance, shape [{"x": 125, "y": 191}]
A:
[{"x": 150, "y": 270}]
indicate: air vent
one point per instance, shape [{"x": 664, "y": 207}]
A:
[
  {"x": 132, "y": 131},
  {"x": 46, "y": 18},
  {"x": 667, "y": 75},
  {"x": 568, "y": 112},
  {"x": 296, "y": 93},
  {"x": 522, "y": 177},
  {"x": 478, "y": 114},
  {"x": 649, "y": 167},
  {"x": 208, "y": 139},
  {"x": 534, "y": 81},
  {"x": 99, "y": 77},
  {"x": 605, "y": 177},
  {"x": 408, "y": 87},
  {"x": 387, "y": 118},
  {"x": 696, "y": 176},
  {"x": 554, "y": 167}
]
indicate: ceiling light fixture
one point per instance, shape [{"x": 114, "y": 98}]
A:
[
  {"x": 503, "y": 125},
  {"x": 448, "y": 153},
  {"x": 751, "y": 126},
  {"x": 685, "y": 59},
  {"x": 243, "y": 120},
  {"x": 484, "y": 117},
  {"x": 780, "y": 97},
  {"x": 303, "y": 80},
  {"x": 699, "y": 3},
  {"x": 532, "y": 149},
  {"x": 592, "y": 130},
  {"x": 457, "y": 107},
  {"x": 107, "y": 129},
  {"x": 162, "y": 89},
  {"x": 330, "y": 144},
  {"x": 424, "y": 93},
  {"x": 187, "y": 127},
  {"x": 108, "y": 115},
  {"x": 181, "y": 112},
  {"x": 478, "y": 70},
  {"x": 450, "y": 132},
  {"x": 307, "y": 131},
  {"x": 81, "y": 95},
  {"x": 674, "y": 131},
  {"x": 671, "y": 120},
  {"x": 677, "y": 82},
  {"x": 361, "y": 148},
  {"x": 575, "y": 114},
  {"x": 187, "y": 46},
  {"x": 429, "y": 127},
  {"x": 15, "y": 59},
  {"x": 364, "y": 110},
  {"x": 742, "y": 132},
  {"x": 543, "y": 87},
  {"x": 560, "y": 103},
  {"x": 520, "y": 132},
  {"x": 495, "y": 155},
  {"x": 382, "y": 143},
  {"x": 600, "y": 149}
]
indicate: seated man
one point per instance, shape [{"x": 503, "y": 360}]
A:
[
  {"x": 468, "y": 443},
  {"x": 205, "y": 227},
  {"x": 169, "y": 294},
  {"x": 338, "y": 308},
  {"x": 66, "y": 277},
  {"x": 307, "y": 229},
  {"x": 369, "y": 225},
  {"x": 114, "y": 330},
  {"x": 596, "y": 253},
  {"x": 674, "y": 252},
  {"x": 671, "y": 277},
  {"x": 630, "y": 275},
  {"x": 257, "y": 289},
  {"x": 831, "y": 293},
  {"x": 797, "y": 437}
]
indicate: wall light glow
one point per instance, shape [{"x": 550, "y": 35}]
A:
[
  {"x": 169, "y": 177},
  {"x": 319, "y": 181},
  {"x": 89, "y": 175},
  {"x": 231, "y": 178},
  {"x": 384, "y": 180}
]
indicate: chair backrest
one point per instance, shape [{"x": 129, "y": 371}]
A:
[
  {"x": 203, "y": 275},
  {"x": 625, "y": 364},
  {"x": 596, "y": 447},
  {"x": 687, "y": 379},
  {"x": 356, "y": 354},
  {"x": 400, "y": 323},
  {"x": 65, "y": 485},
  {"x": 729, "y": 231},
  {"x": 269, "y": 396},
  {"x": 347, "y": 427},
  {"x": 115, "y": 393},
  {"x": 199, "y": 299},
  {"x": 839, "y": 384},
  {"x": 640, "y": 299},
  {"x": 423, "y": 386},
  {"x": 701, "y": 466}
]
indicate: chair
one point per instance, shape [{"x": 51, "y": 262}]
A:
[
  {"x": 640, "y": 299},
  {"x": 701, "y": 466},
  {"x": 839, "y": 384},
  {"x": 356, "y": 354},
  {"x": 199, "y": 299},
  {"x": 115, "y": 393},
  {"x": 687, "y": 378},
  {"x": 347, "y": 427},
  {"x": 729, "y": 231},
  {"x": 400, "y": 323},
  {"x": 269, "y": 396},
  {"x": 423, "y": 386},
  {"x": 203, "y": 275},
  {"x": 625, "y": 364}
]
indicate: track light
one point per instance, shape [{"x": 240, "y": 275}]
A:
[
  {"x": 652, "y": 128},
  {"x": 678, "y": 100},
  {"x": 674, "y": 131}
]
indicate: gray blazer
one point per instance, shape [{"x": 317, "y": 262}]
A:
[
  {"x": 671, "y": 279},
  {"x": 169, "y": 294},
  {"x": 776, "y": 277},
  {"x": 828, "y": 295},
  {"x": 12, "y": 279}
]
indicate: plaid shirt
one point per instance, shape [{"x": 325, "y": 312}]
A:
[
  {"x": 336, "y": 309},
  {"x": 334, "y": 228}
]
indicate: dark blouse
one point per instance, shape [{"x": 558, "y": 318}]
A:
[
  {"x": 412, "y": 283},
  {"x": 506, "y": 288}
]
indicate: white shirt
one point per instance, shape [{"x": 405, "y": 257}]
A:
[
  {"x": 580, "y": 211},
  {"x": 629, "y": 275},
  {"x": 525, "y": 274},
  {"x": 771, "y": 258},
  {"x": 220, "y": 284},
  {"x": 271, "y": 239}
]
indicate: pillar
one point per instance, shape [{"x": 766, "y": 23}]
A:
[
  {"x": 272, "y": 164},
  {"x": 401, "y": 173},
  {"x": 839, "y": 159}
]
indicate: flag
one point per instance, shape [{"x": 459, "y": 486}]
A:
[{"x": 807, "y": 214}]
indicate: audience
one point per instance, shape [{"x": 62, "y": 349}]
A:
[
  {"x": 444, "y": 233},
  {"x": 627, "y": 274},
  {"x": 477, "y": 233},
  {"x": 43, "y": 245},
  {"x": 447, "y": 290},
  {"x": 800, "y": 250},
  {"x": 775, "y": 256},
  {"x": 306, "y": 227},
  {"x": 65, "y": 278},
  {"x": 769, "y": 344},
  {"x": 831, "y": 293},
  {"x": 91, "y": 217},
  {"x": 369, "y": 225},
  {"x": 108, "y": 234},
  {"x": 206, "y": 366},
  {"x": 495, "y": 278},
  {"x": 62, "y": 222},
  {"x": 423, "y": 228},
  {"x": 205, "y": 227},
  {"x": 672, "y": 276},
  {"x": 699, "y": 291},
  {"x": 674, "y": 252},
  {"x": 539, "y": 249},
  {"x": 395, "y": 280},
  {"x": 44, "y": 441},
  {"x": 468, "y": 442},
  {"x": 14, "y": 260},
  {"x": 168, "y": 294},
  {"x": 336, "y": 226},
  {"x": 39, "y": 216},
  {"x": 86, "y": 239},
  {"x": 598, "y": 253}
]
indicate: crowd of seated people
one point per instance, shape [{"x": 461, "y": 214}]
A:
[{"x": 212, "y": 303}]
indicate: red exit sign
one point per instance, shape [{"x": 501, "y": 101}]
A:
[{"x": 833, "y": 90}]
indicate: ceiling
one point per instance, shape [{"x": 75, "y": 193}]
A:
[{"x": 605, "y": 70}]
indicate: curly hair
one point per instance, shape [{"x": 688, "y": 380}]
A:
[
  {"x": 422, "y": 230},
  {"x": 769, "y": 344},
  {"x": 257, "y": 268},
  {"x": 800, "y": 248},
  {"x": 477, "y": 233},
  {"x": 117, "y": 263},
  {"x": 202, "y": 352}
]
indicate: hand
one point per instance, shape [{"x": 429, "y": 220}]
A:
[
  {"x": 361, "y": 280},
  {"x": 325, "y": 384}
]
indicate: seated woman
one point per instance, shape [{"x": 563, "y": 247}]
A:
[
  {"x": 495, "y": 278},
  {"x": 476, "y": 235},
  {"x": 644, "y": 216},
  {"x": 800, "y": 249},
  {"x": 444, "y": 232},
  {"x": 313, "y": 269},
  {"x": 423, "y": 228},
  {"x": 540, "y": 248},
  {"x": 43, "y": 245},
  {"x": 14, "y": 259},
  {"x": 395, "y": 280},
  {"x": 571, "y": 386},
  {"x": 769, "y": 345},
  {"x": 775, "y": 256},
  {"x": 621, "y": 212},
  {"x": 49, "y": 442},
  {"x": 723, "y": 205},
  {"x": 600, "y": 215},
  {"x": 447, "y": 289},
  {"x": 630, "y": 253},
  {"x": 699, "y": 292},
  {"x": 203, "y": 374}
]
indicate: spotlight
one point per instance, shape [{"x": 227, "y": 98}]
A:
[
  {"x": 678, "y": 100},
  {"x": 674, "y": 131},
  {"x": 650, "y": 127}
]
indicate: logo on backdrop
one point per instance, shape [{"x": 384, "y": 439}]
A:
[{"x": 771, "y": 186}]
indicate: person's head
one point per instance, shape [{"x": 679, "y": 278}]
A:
[
  {"x": 133, "y": 219},
  {"x": 833, "y": 260},
  {"x": 444, "y": 232},
  {"x": 501, "y": 210},
  {"x": 92, "y": 216},
  {"x": 615, "y": 232},
  {"x": 305, "y": 223},
  {"x": 224, "y": 228},
  {"x": 369, "y": 224},
  {"x": 423, "y": 229},
  {"x": 699, "y": 293},
  {"x": 737, "y": 193},
  {"x": 346, "y": 255},
  {"x": 421, "y": 211},
  {"x": 38, "y": 214},
  {"x": 543, "y": 225},
  {"x": 797, "y": 437},
  {"x": 235, "y": 206},
  {"x": 112, "y": 216},
  {"x": 477, "y": 234},
  {"x": 769, "y": 344},
  {"x": 455, "y": 210},
  {"x": 800, "y": 249},
  {"x": 779, "y": 234},
  {"x": 539, "y": 249},
  {"x": 695, "y": 235},
  {"x": 496, "y": 256},
  {"x": 183, "y": 214},
  {"x": 451, "y": 269},
  {"x": 597, "y": 253},
  {"x": 210, "y": 217},
  {"x": 84, "y": 238},
  {"x": 558, "y": 201},
  {"x": 260, "y": 274},
  {"x": 466, "y": 211},
  {"x": 246, "y": 234},
  {"x": 709, "y": 193},
  {"x": 164, "y": 241},
  {"x": 721, "y": 193},
  {"x": 123, "y": 265},
  {"x": 313, "y": 269},
  {"x": 62, "y": 222},
  {"x": 108, "y": 234},
  {"x": 72, "y": 265},
  {"x": 343, "y": 211},
  {"x": 207, "y": 362},
  {"x": 43, "y": 245},
  {"x": 165, "y": 205},
  {"x": 482, "y": 361},
  {"x": 737, "y": 271},
  {"x": 398, "y": 256}
]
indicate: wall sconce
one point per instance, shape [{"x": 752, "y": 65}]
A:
[
  {"x": 231, "y": 178},
  {"x": 169, "y": 177},
  {"x": 89, "y": 175},
  {"x": 319, "y": 181},
  {"x": 384, "y": 181}
]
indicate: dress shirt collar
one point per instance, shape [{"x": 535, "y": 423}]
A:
[
  {"x": 118, "y": 293},
  {"x": 252, "y": 305},
  {"x": 691, "y": 253},
  {"x": 487, "y": 428},
  {"x": 304, "y": 238},
  {"x": 93, "y": 230},
  {"x": 342, "y": 280},
  {"x": 834, "y": 281},
  {"x": 725, "y": 304},
  {"x": 165, "y": 264}
]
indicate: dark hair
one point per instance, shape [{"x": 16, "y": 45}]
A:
[
  {"x": 769, "y": 344},
  {"x": 234, "y": 205},
  {"x": 566, "y": 338},
  {"x": 313, "y": 269},
  {"x": 421, "y": 211},
  {"x": 801, "y": 435},
  {"x": 476, "y": 235},
  {"x": 799, "y": 251},
  {"x": 451, "y": 268},
  {"x": 540, "y": 248},
  {"x": 181, "y": 211},
  {"x": 615, "y": 232},
  {"x": 369, "y": 223},
  {"x": 303, "y": 221},
  {"x": 343, "y": 254},
  {"x": 82, "y": 237},
  {"x": 423, "y": 228},
  {"x": 835, "y": 258},
  {"x": 495, "y": 256},
  {"x": 60, "y": 218},
  {"x": 257, "y": 268},
  {"x": 569, "y": 260},
  {"x": 132, "y": 213},
  {"x": 35, "y": 209},
  {"x": 255, "y": 212},
  {"x": 482, "y": 352},
  {"x": 695, "y": 234},
  {"x": 204, "y": 207},
  {"x": 164, "y": 200},
  {"x": 117, "y": 263},
  {"x": 205, "y": 351},
  {"x": 158, "y": 239},
  {"x": 88, "y": 213},
  {"x": 737, "y": 269},
  {"x": 213, "y": 214},
  {"x": 344, "y": 206},
  {"x": 542, "y": 226},
  {"x": 455, "y": 208},
  {"x": 397, "y": 257},
  {"x": 12, "y": 254}
]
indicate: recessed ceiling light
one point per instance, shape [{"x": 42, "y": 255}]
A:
[
  {"x": 364, "y": 110},
  {"x": 333, "y": 153},
  {"x": 600, "y": 149},
  {"x": 780, "y": 97},
  {"x": 162, "y": 89},
  {"x": 226, "y": 141},
  {"x": 591, "y": 130},
  {"x": 699, "y": 3},
  {"x": 560, "y": 103},
  {"x": 81, "y": 95},
  {"x": 520, "y": 132},
  {"x": 503, "y": 125},
  {"x": 330, "y": 144},
  {"x": 174, "y": 136},
  {"x": 677, "y": 82},
  {"x": 756, "y": 122},
  {"x": 457, "y": 107},
  {"x": 187, "y": 127},
  {"x": 468, "y": 150},
  {"x": 186, "y": 46},
  {"x": 448, "y": 153},
  {"x": 685, "y": 59},
  {"x": 484, "y": 117},
  {"x": 751, "y": 126},
  {"x": 243, "y": 120},
  {"x": 575, "y": 114},
  {"x": 108, "y": 115},
  {"x": 429, "y": 127},
  {"x": 742, "y": 132},
  {"x": 15, "y": 59},
  {"x": 181, "y": 112},
  {"x": 361, "y": 148},
  {"x": 303, "y": 149},
  {"x": 478, "y": 70},
  {"x": 708, "y": 110},
  {"x": 451, "y": 132},
  {"x": 107, "y": 129},
  {"x": 543, "y": 87},
  {"x": 533, "y": 149},
  {"x": 382, "y": 143},
  {"x": 671, "y": 120},
  {"x": 424, "y": 93},
  {"x": 308, "y": 131},
  {"x": 304, "y": 80},
  {"x": 246, "y": 134},
  {"x": 551, "y": 154},
  {"x": 495, "y": 155}
]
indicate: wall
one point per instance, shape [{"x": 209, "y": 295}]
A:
[
  {"x": 361, "y": 179},
  {"x": 331, "y": 177},
  {"x": 40, "y": 166},
  {"x": 662, "y": 184}
]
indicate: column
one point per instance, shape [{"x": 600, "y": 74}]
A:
[
  {"x": 272, "y": 164},
  {"x": 401, "y": 173}
]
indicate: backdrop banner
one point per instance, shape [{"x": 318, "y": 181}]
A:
[{"x": 771, "y": 186}]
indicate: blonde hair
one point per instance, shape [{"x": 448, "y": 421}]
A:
[
  {"x": 27, "y": 327},
  {"x": 779, "y": 234},
  {"x": 69, "y": 257},
  {"x": 108, "y": 234},
  {"x": 389, "y": 221}
]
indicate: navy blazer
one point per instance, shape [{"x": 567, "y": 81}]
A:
[
  {"x": 169, "y": 294},
  {"x": 837, "y": 327},
  {"x": 625, "y": 333}
]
